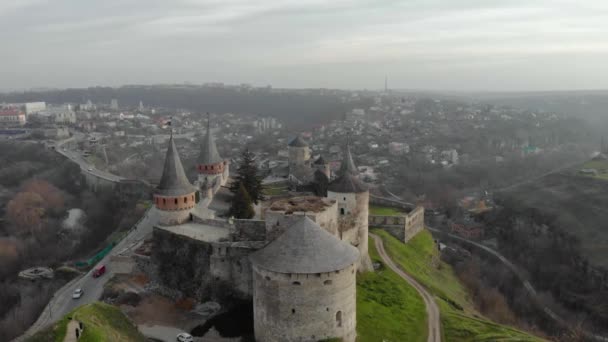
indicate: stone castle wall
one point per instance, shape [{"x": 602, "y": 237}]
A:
[
  {"x": 173, "y": 217},
  {"x": 403, "y": 227},
  {"x": 203, "y": 270},
  {"x": 277, "y": 221},
  {"x": 353, "y": 212},
  {"x": 249, "y": 230},
  {"x": 298, "y": 155},
  {"x": 304, "y": 307}
]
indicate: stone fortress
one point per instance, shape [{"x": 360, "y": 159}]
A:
[{"x": 297, "y": 260}]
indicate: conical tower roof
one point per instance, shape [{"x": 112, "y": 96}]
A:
[
  {"x": 348, "y": 165},
  {"x": 320, "y": 161},
  {"x": 348, "y": 177},
  {"x": 305, "y": 248},
  {"x": 298, "y": 142},
  {"x": 209, "y": 154},
  {"x": 173, "y": 182}
]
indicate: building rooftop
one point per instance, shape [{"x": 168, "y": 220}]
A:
[
  {"x": 199, "y": 231},
  {"x": 173, "y": 182},
  {"x": 209, "y": 154},
  {"x": 298, "y": 142},
  {"x": 10, "y": 112},
  {"x": 305, "y": 248},
  {"x": 348, "y": 177},
  {"x": 301, "y": 204}
]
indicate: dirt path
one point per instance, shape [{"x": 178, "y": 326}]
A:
[
  {"x": 70, "y": 335},
  {"x": 434, "y": 334}
]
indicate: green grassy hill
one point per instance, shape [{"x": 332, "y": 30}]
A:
[
  {"x": 380, "y": 210},
  {"x": 388, "y": 308},
  {"x": 601, "y": 166},
  {"x": 459, "y": 320},
  {"x": 102, "y": 322}
]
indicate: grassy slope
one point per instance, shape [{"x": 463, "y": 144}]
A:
[
  {"x": 380, "y": 210},
  {"x": 102, "y": 322},
  {"x": 460, "y": 321},
  {"x": 388, "y": 309},
  {"x": 600, "y": 165}
]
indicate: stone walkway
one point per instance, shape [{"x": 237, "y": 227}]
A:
[{"x": 70, "y": 335}]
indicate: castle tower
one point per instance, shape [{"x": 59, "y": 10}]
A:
[
  {"x": 212, "y": 169},
  {"x": 309, "y": 293},
  {"x": 352, "y": 196},
  {"x": 323, "y": 166},
  {"x": 175, "y": 196},
  {"x": 299, "y": 153}
]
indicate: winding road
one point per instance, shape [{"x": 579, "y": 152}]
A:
[
  {"x": 432, "y": 310},
  {"x": 536, "y": 299}
]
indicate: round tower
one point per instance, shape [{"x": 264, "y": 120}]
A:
[
  {"x": 174, "y": 197},
  {"x": 352, "y": 196},
  {"x": 212, "y": 169},
  {"x": 309, "y": 292},
  {"x": 299, "y": 152}
]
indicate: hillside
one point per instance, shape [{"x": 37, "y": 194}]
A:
[
  {"x": 388, "y": 308},
  {"x": 574, "y": 203},
  {"x": 102, "y": 322},
  {"x": 459, "y": 320}
]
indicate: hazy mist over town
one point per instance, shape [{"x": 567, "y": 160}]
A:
[{"x": 303, "y": 171}]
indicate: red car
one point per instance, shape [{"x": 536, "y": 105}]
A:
[{"x": 99, "y": 271}]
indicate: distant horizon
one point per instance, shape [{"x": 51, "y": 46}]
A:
[{"x": 412, "y": 90}]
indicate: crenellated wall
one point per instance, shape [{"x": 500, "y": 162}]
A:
[
  {"x": 276, "y": 221},
  {"x": 403, "y": 227}
]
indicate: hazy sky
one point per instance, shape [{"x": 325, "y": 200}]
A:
[{"x": 419, "y": 44}]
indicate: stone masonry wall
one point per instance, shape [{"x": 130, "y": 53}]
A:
[
  {"x": 277, "y": 221},
  {"x": 304, "y": 307},
  {"x": 203, "y": 270},
  {"x": 403, "y": 227}
]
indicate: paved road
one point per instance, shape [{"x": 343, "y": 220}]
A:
[
  {"x": 77, "y": 157},
  {"x": 432, "y": 311},
  {"x": 535, "y": 178},
  {"x": 526, "y": 283},
  {"x": 62, "y": 302}
]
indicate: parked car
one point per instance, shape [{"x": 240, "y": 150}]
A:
[
  {"x": 99, "y": 271},
  {"x": 184, "y": 337},
  {"x": 77, "y": 293}
]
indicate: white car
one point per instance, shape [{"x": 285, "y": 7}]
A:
[
  {"x": 77, "y": 293},
  {"x": 184, "y": 337},
  {"x": 90, "y": 169}
]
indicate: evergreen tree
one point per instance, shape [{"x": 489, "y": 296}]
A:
[
  {"x": 241, "y": 206},
  {"x": 247, "y": 174},
  {"x": 320, "y": 184}
]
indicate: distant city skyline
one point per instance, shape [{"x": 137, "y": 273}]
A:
[{"x": 466, "y": 45}]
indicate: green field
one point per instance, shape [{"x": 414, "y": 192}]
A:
[
  {"x": 459, "y": 319},
  {"x": 600, "y": 165},
  {"x": 102, "y": 322},
  {"x": 275, "y": 189},
  {"x": 388, "y": 309},
  {"x": 381, "y": 210}
]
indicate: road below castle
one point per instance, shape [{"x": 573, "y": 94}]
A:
[{"x": 434, "y": 323}]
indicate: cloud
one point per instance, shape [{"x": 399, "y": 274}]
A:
[{"x": 258, "y": 41}]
